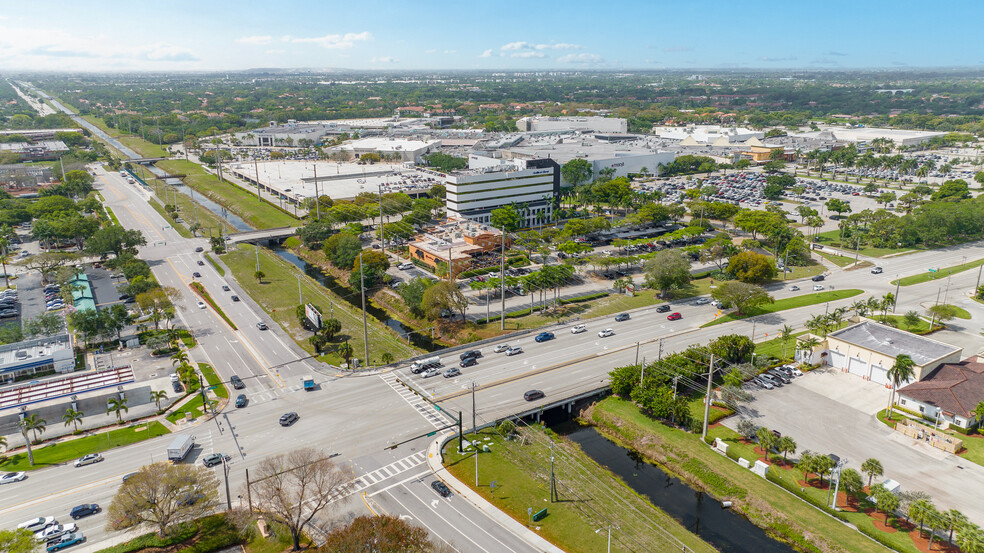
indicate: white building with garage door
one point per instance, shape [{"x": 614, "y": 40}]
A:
[{"x": 868, "y": 350}]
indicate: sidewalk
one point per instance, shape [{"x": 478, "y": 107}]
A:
[{"x": 499, "y": 517}]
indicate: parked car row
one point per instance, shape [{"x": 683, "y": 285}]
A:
[
  {"x": 8, "y": 304},
  {"x": 776, "y": 377}
]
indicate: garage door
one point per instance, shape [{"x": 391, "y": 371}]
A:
[
  {"x": 879, "y": 374},
  {"x": 858, "y": 367},
  {"x": 837, "y": 360}
]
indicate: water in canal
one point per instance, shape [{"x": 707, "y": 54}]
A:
[
  {"x": 700, "y": 513},
  {"x": 419, "y": 340}
]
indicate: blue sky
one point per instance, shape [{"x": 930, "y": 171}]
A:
[{"x": 358, "y": 34}]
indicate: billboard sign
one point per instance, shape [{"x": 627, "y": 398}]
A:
[{"x": 313, "y": 316}]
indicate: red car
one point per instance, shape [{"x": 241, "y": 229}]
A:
[{"x": 674, "y": 317}]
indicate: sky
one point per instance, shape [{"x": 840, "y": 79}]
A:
[{"x": 215, "y": 35}]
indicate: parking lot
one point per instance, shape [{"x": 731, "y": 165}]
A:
[{"x": 827, "y": 411}]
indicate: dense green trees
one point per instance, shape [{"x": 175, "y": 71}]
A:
[
  {"x": 576, "y": 171},
  {"x": 751, "y": 267},
  {"x": 667, "y": 270}
]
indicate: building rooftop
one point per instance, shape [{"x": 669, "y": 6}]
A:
[
  {"x": 29, "y": 351},
  {"x": 870, "y": 133},
  {"x": 386, "y": 144},
  {"x": 954, "y": 387},
  {"x": 894, "y": 342},
  {"x": 563, "y": 148}
]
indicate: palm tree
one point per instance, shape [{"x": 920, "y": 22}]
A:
[
  {"x": 386, "y": 357},
  {"x": 179, "y": 358},
  {"x": 3, "y": 442},
  {"x": 808, "y": 345},
  {"x": 35, "y": 424},
  {"x": 902, "y": 371},
  {"x": 970, "y": 539},
  {"x": 157, "y": 396},
  {"x": 919, "y": 511},
  {"x": 873, "y": 468},
  {"x": 22, "y": 426},
  {"x": 785, "y": 446},
  {"x": 785, "y": 333},
  {"x": 118, "y": 406},
  {"x": 954, "y": 521},
  {"x": 73, "y": 417}
]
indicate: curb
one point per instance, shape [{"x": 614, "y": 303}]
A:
[{"x": 502, "y": 519}]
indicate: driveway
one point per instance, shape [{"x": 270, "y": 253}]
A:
[{"x": 828, "y": 411}]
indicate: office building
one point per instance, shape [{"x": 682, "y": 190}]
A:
[{"x": 490, "y": 183}]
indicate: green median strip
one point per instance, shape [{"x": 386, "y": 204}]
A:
[
  {"x": 218, "y": 268},
  {"x": 938, "y": 273},
  {"x": 55, "y": 453},
  {"x": 788, "y": 303},
  {"x": 197, "y": 287},
  {"x": 213, "y": 380}
]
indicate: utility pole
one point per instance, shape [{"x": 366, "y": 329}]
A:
[
  {"x": 257, "y": 250},
  {"x": 249, "y": 495},
  {"x": 382, "y": 238},
  {"x": 300, "y": 296},
  {"x": 256, "y": 168},
  {"x": 707, "y": 399},
  {"x": 502, "y": 280},
  {"x": 895, "y": 302},
  {"x": 659, "y": 357},
  {"x": 553, "y": 481},
  {"x": 317, "y": 195},
  {"x": 365, "y": 325},
  {"x": 978, "y": 285},
  {"x": 474, "y": 425},
  {"x": 947, "y": 293},
  {"x": 637, "y": 353}
]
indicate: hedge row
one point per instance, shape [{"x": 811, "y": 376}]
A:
[{"x": 586, "y": 297}]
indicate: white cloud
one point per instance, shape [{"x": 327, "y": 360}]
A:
[
  {"x": 165, "y": 52},
  {"x": 521, "y": 45},
  {"x": 678, "y": 49},
  {"x": 335, "y": 42},
  {"x": 385, "y": 59},
  {"x": 275, "y": 51},
  {"x": 486, "y": 54},
  {"x": 430, "y": 51},
  {"x": 528, "y": 54},
  {"x": 587, "y": 59},
  {"x": 558, "y": 46},
  {"x": 258, "y": 40},
  {"x": 450, "y": 52}
]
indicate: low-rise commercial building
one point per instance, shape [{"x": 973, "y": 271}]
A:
[
  {"x": 35, "y": 151},
  {"x": 35, "y": 357},
  {"x": 541, "y": 123},
  {"x": 460, "y": 244},
  {"x": 405, "y": 149},
  {"x": 291, "y": 133},
  {"x": 948, "y": 394}
]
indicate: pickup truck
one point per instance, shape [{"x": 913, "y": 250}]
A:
[{"x": 308, "y": 382}]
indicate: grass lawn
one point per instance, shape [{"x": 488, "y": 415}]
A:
[
  {"x": 182, "y": 230},
  {"x": 940, "y": 273},
  {"x": 277, "y": 295},
  {"x": 194, "y": 407},
  {"x": 278, "y": 542},
  {"x": 898, "y": 321},
  {"x": 203, "y": 535},
  {"x": 213, "y": 380},
  {"x": 135, "y": 143},
  {"x": 773, "y": 347},
  {"x": 189, "y": 210},
  {"x": 218, "y": 268},
  {"x": 46, "y": 454},
  {"x": 259, "y": 214},
  {"x": 839, "y": 260},
  {"x": 591, "y": 495},
  {"x": 780, "y": 513},
  {"x": 832, "y": 238},
  {"x": 790, "y": 303}
]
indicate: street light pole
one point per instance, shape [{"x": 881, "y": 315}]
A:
[{"x": 365, "y": 325}]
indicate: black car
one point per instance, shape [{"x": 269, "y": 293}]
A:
[
  {"x": 533, "y": 395},
  {"x": 196, "y": 274},
  {"x": 237, "y": 382},
  {"x": 177, "y": 387},
  {"x": 288, "y": 419},
  {"x": 225, "y": 288},
  {"x": 663, "y": 308},
  {"x": 441, "y": 488},
  {"x": 241, "y": 401},
  {"x": 84, "y": 510},
  {"x": 471, "y": 354},
  {"x": 468, "y": 362},
  {"x": 199, "y": 249},
  {"x": 201, "y": 263},
  {"x": 818, "y": 278},
  {"x": 621, "y": 317},
  {"x": 235, "y": 298}
]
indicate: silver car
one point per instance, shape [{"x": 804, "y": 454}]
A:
[
  {"x": 515, "y": 350},
  {"x": 89, "y": 459}
]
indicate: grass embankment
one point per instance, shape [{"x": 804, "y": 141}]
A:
[
  {"x": 782, "y": 514},
  {"x": 143, "y": 147},
  {"x": 259, "y": 214},
  {"x": 277, "y": 295},
  {"x": 204, "y": 535},
  {"x": 189, "y": 210},
  {"x": 898, "y": 321},
  {"x": 47, "y": 454},
  {"x": 832, "y": 238},
  {"x": 788, "y": 303},
  {"x": 111, "y": 215},
  {"x": 590, "y": 496},
  {"x": 839, "y": 260},
  {"x": 201, "y": 291},
  {"x": 940, "y": 273}
]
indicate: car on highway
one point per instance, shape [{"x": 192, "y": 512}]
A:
[
  {"x": 453, "y": 371},
  {"x": 515, "y": 350},
  {"x": 606, "y": 333},
  {"x": 225, "y": 288},
  {"x": 288, "y": 419},
  {"x": 441, "y": 488},
  {"x": 9, "y": 477},
  {"x": 472, "y": 353},
  {"x": 533, "y": 395},
  {"x": 674, "y": 317},
  {"x": 235, "y": 298},
  {"x": 663, "y": 308},
  {"x": 65, "y": 541},
  {"x": 237, "y": 382},
  {"x": 818, "y": 278},
  {"x": 466, "y": 362},
  {"x": 89, "y": 459},
  {"x": 201, "y": 263},
  {"x": 702, "y": 301},
  {"x": 794, "y": 288},
  {"x": 544, "y": 336},
  {"x": 86, "y": 509},
  {"x": 55, "y": 531},
  {"x": 196, "y": 274},
  {"x": 501, "y": 348},
  {"x": 241, "y": 401},
  {"x": 621, "y": 317},
  {"x": 434, "y": 371},
  {"x": 817, "y": 287},
  {"x": 577, "y": 329},
  {"x": 199, "y": 249},
  {"x": 211, "y": 460},
  {"x": 37, "y": 524},
  {"x": 876, "y": 271},
  {"x": 261, "y": 325}
]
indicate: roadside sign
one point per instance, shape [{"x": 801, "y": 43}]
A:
[{"x": 932, "y": 270}]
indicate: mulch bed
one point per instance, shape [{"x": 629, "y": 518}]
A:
[
  {"x": 879, "y": 523},
  {"x": 922, "y": 543},
  {"x": 814, "y": 483}
]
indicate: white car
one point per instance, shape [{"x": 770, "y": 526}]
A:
[
  {"x": 55, "y": 530},
  {"x": 515, "y": 350},
  {"x": 501, "y": 348},
  {"x": 793, "y": 369},
  {"x": 37, "y": 524},
  {"x": 577, "y": 329},
  {"x": 88, "y": 460},
  {"x": 201, "y": 305},
  {"x": 817, "y": 287},
  {"x": 606, "y": 333},
  {"x": 8, "y": 477},
  {"x": 717, "y": 304},
  {"x": 431, "y": 372},
  {"x": 702, "y": 301},
  {"x": 794, "y": 288}
]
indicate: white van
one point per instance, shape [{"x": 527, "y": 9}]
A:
[{"x": 405, "y": 266}]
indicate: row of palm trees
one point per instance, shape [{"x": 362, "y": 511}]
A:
[{"x": 547, "y": 278}]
